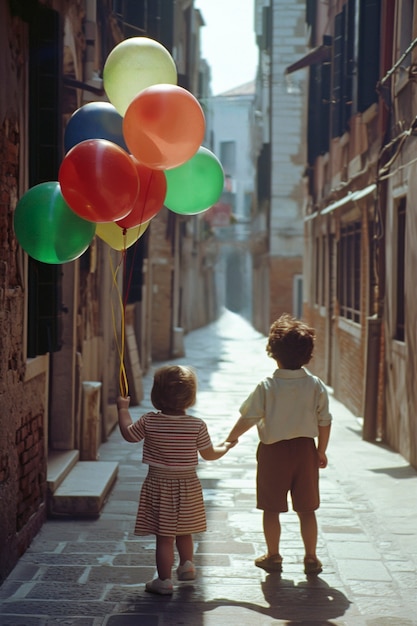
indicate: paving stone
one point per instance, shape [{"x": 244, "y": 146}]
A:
[
  {"x": 129, "y": 620},
  {"x": 21, "y": 620}
]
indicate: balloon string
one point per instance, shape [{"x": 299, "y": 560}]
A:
[
  {"x": 129, "y": 280},
  {"x": 123, "y": 382}
]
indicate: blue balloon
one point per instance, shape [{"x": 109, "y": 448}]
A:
[{"x": 95, "y": 120}]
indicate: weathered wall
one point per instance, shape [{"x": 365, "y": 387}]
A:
[
  {"x": 281, "y": 279},
  {"x": 22, "y": 401},
  {"x": 288, "y": 153},
  {"x": 400, "y": 391}
]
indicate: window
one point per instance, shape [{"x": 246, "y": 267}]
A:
[
  {"x": 356, "y": 45},
  {"x": 349, "y": 271},
  {"x": 405, "y": 29},
  {"x": 131, "y": 16},
  {"x": 338, "y": 74},
  {"x": 400, "y": 317},
  {"x": 320, "y": 271},
  {"x": 368, "y": 53},
  {"x": 44, "y": 280},
  {"x": 319, "y": 111},
  {"x": 228, "y": 156},
  {"x": 298, "y": 296}
]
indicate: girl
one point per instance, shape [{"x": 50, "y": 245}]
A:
[{"x": 171, "y": 501}]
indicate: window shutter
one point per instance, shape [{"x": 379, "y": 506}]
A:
[
  {"x": 338, "y": 75},
  {"x": 44, "y": 280},
  {"x": 369, "y": 44}
]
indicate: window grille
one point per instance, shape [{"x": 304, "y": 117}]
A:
[
  {"x": 349, "y": 271},
  {"x": 400, "y": 317}
]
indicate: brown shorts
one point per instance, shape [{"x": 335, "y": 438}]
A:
[{"x": 286, "y": 466}]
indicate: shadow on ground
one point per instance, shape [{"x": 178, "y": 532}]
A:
[{"x": 311, "y": 602}]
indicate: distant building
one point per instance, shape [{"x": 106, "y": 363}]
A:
[
  {"x": 232, "y": 119},
  {"x": 281, "y": 104}
]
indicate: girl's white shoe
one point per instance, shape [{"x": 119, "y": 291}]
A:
[
  {"x": 162, "y": 587},
  {"x": 186, "y": 571}
]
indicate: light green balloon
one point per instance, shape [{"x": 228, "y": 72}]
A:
[
  {"x": 47, "y": 229},
  {"x": 196, "y": 185},
  {"x": 133, "y": 65}
]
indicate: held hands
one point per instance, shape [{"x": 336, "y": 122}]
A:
[{"x": 228, "y": 445}]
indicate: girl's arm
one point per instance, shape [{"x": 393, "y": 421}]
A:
[
  {"x": 124, "y": 418},
  {"x": 216, "y": 452}
]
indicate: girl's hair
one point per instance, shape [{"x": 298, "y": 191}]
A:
[
  {"x": 174, "y": 388},
  {"x": 291, "y": 342}
]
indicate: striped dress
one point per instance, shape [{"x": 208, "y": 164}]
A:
[{"x": 171, "y": 498}]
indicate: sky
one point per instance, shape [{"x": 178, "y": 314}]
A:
[{"x": 228, "y": 42}]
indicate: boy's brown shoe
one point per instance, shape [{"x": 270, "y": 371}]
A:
[
  {"x": 271, "y": 563},
  {"x": 312, "y": 566}
]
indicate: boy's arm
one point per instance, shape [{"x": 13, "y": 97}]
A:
[
  {"x": 323, "y": 440},
  {"x": 124, "y": 418},
  {"x": 241, "y": 426}
]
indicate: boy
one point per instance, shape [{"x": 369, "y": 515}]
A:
[{"x": 290, "y": 409}]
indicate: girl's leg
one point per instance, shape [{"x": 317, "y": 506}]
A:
[
  {"x": 164, "y": 556},
  {"x": 185, "y": 547},
  {"x": 308, "y": 526},
  {"x": 272, "y": 531}
]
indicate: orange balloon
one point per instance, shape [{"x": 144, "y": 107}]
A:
[{"x": 164, "y": 126}]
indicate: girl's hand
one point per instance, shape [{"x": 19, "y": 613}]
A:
[
  {"x": 123, "y": 403},
  {"x": 229, "y": 444}
]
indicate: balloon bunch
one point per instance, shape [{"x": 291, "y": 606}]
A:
[{"x": 124, "y": 160}]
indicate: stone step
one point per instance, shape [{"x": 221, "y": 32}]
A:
[
  {"x": 60, "y": 463},
  {"x": 85, "y": 489}
]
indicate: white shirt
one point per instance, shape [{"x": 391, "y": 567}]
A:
[{"x": 288, "y": 404}]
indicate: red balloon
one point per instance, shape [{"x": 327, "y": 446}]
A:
[
  {"x": 150, "y": 200},
  {"x": 164, "y": 126},
  {"x": 99, "y": 181}
]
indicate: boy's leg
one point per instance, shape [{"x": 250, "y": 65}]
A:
[
  {"x": 185, "y": 547},
  {"x": 308, "y": 526},
  {"x": 164, "y": 556},
  {"x": 272, "y": 532}
]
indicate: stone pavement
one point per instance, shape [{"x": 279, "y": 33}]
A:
[{"x": 92, "y": 572}]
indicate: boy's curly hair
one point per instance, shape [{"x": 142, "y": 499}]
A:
[
  {"x": 174, "y": 388},
  {"x": 291, "y": 342}
]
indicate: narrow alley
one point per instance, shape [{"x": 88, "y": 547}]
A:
[{"x": 93, "y": 572}]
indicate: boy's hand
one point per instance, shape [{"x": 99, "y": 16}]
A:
[
  {"x": 322, "y": 459},
  {"x": 123, "y": 403},
  {"x": 230, "y": 444}
]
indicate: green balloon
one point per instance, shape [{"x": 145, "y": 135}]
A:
[
  {"x": 196, "y": 185},
  {"x": 47, "y": 229}
]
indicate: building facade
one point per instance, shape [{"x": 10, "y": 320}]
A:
[
  {"x": 280, "y": 30},
  {"x": 232, "y": 138},
  {"x": 359, "y": 223},
  {"x": 61, "y": 324}
]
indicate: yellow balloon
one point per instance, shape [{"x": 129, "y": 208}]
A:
[
  {"x": 119, "y": 238},
  {"x": 133, "y": 65}
]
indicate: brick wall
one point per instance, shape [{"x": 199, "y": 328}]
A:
[
  {"x": 161, "y": 258},
  {"x": 30, "y": 450},
  {"x": 318, "y": 364},
  {"x": 282, "y": 272},
  {"x": 22, "y": 403},
  {"x": 349, "y": 370}
]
